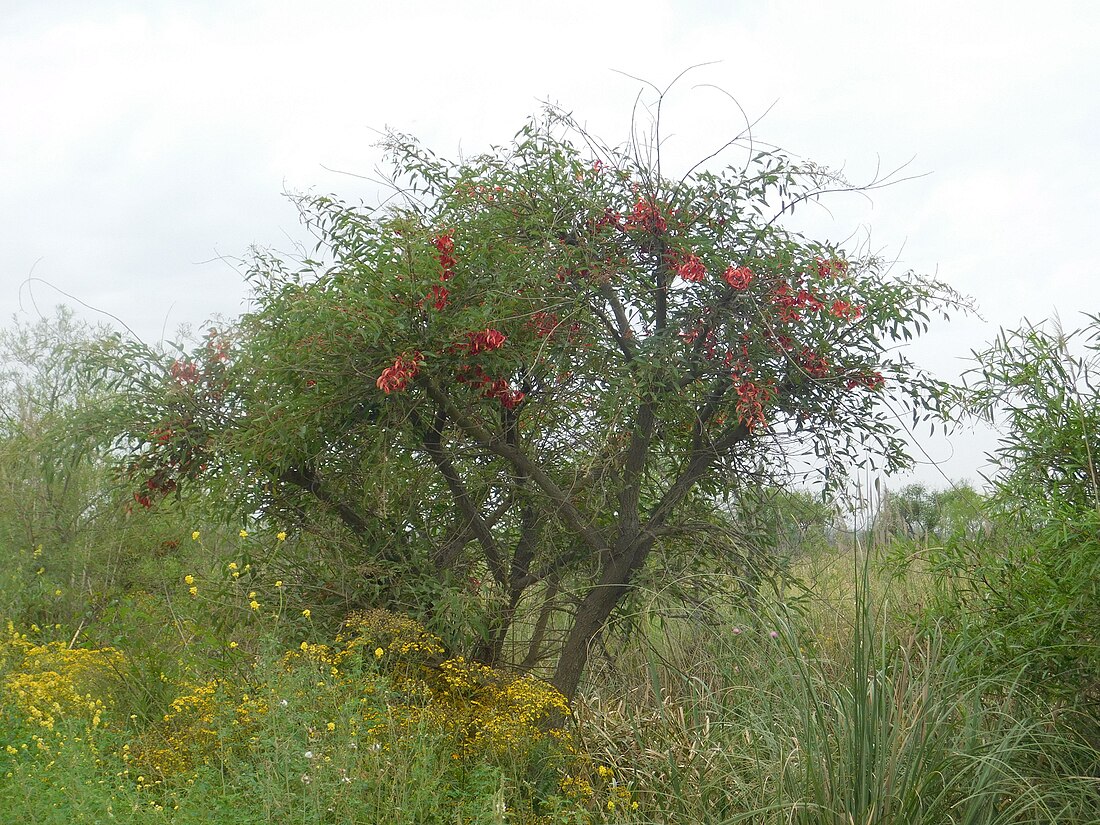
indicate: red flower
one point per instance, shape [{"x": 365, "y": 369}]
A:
[
  {"x": 833, "y": 268},
  {"x": 814, "y": 364},
  {"x": 646, "y": 216},
  {"x": 872, "y": 381},
  {"x": 397, "y": 377},
  {"x": 445, "y": 243},
  {"x": 737, "y": 277},
  {"x": 544, "y": 323},
  {"x": 438, "y": 295},
  {"x": 842, "y": 309},
  {"x": 751, "y": 398},
  {"x": 690, "y": 268},
  {"x": 184, "y": 372},
  {"x": 807, "y": 300},
  {"x": 485, "y": 341}
]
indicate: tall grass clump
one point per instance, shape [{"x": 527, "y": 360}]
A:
[{"x": 782, "y": 722}]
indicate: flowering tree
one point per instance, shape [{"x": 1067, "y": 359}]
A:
[{"x": 528, "y": 366}]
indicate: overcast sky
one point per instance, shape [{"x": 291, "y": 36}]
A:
[{"x": 144, "y": 143}]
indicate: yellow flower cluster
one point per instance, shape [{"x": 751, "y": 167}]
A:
[
  {"x": 51, "y": 681},
  {"x": 186, "y": 733},
  {"x": 373, "y": 630},
  {"x": 488, "y": 711},
  {"x": 491, "y": 711}
]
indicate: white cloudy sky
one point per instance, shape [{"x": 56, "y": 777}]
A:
[{"x": 143, "y": 140}]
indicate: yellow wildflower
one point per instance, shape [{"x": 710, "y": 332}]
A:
[
  {"x": 57, "y": 592},
  {"x": 195, "y": 535},
  {"x": 378, "y": 652},
  {"x": 306, "y": 613},
  {"x": 188, "y": 579},
  {"x": 194, "y": 591},
  {"x": 331, "y": 726},
  {"x": 40, "y": 571},
  {"x": 281, "y": 535},
  {"x": 232, "y": 645},
  {"x": 279, "y": 583},
  {"x": 255, "y": 605},
  {"x": 232, "y": 565},
  {"x": 243, "y": 534}
]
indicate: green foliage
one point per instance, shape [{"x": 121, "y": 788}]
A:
[
  {"x": 916, "y": 512},
  {"x": 1036, "y": 584}
]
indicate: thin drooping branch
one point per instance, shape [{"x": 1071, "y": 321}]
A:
[
  {"x": 698, "y": 464},
  {"x": 531, "y": 523},
  {"x": 624, "y": 335},
  {"x": 704, "y": 414}
]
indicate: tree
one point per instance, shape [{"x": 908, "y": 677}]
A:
[
  {"x": 916, "y": 512},
  {"x": 529, "y": 366},
  {"x": 1036, "y": 587},
  {"x": 56, "y": 500}
]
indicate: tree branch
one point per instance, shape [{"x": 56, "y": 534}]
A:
[
  {"x": 433, "y": 445},
  {"x": 307, "y": 479},
  {"x": 524, "y": 465}
]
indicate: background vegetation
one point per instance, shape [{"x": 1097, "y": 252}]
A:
[{"x": 223, "y": 590}]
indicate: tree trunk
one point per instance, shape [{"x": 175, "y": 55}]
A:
[
  {"x": 490, "y": 650},
  {"x": 534, "y": 649},
  {"x": 593, "y": 613}
]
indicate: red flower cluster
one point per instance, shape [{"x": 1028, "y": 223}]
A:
[
  {"x": 843, "y": 309},
  {"x": 646, "y": 216},
  {"x": 398, "y": 376},
  {"x": 833, "y": 268},
  {"x": 872, "y": 381},
  {"x": 157, "y": 486},
  {"x": 445, "y": 244},
  {"x": 609, "y": 218},
  {"x": 690, "y": 336},
  {"x": 751, "y": 398},
  {"x": 185, "y": 372},
  {"x": 544, "y": 323},
  {"x": 814, "y": 364},
  {"x": 781, "y": 343},
  {"x": 491, "y": 388},
  {"x": 738, "y": 277},
  {"x": 690, "y": 268},
  {"x": 790, "y": 304},
  {"x": 486, "y": 340},
  {"x": 438, "y": 295}
]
